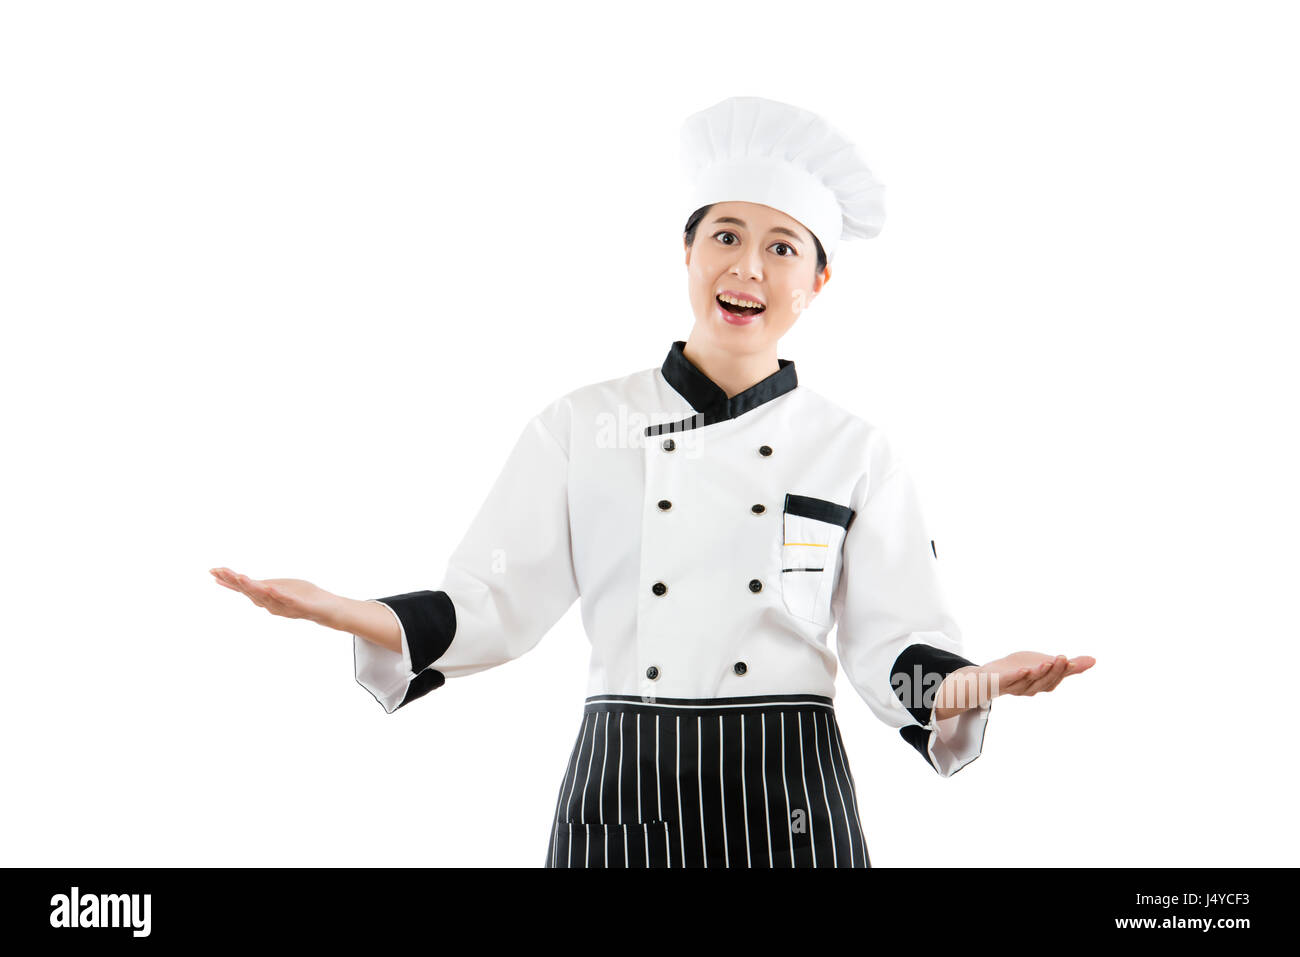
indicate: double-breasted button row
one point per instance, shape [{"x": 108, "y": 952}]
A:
[
  {"x": 659, "y": 588},
  {"x": 759, "y": 509},
  {"x": 755, "y": 585},
  {"x": 668, "y": 445},
  {"x": 740, "y": 668}
]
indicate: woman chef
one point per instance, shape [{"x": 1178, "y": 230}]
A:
[{"x": 717, "y": 519}]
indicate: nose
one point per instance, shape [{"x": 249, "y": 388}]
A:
[{"x": 748, "y": 264}]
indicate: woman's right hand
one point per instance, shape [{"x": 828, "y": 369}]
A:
[{"x": 286, "y": 597}]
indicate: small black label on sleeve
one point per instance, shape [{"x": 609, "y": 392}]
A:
[{"x": 936, "y": 554}]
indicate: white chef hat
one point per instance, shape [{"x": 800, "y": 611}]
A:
[{"x": 754, "y": 150}]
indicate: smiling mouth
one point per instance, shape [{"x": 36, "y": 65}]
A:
[{"x": 738, "y": 310}]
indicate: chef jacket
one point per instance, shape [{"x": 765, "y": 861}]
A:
[{"x": 714, "y": 543}]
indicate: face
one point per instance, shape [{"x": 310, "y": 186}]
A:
[{"x": 753, "y": 253}]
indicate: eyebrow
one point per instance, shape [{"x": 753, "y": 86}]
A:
[{"x": 775, "y": 229}]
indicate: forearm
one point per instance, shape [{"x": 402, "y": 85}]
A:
[
  {"x": 959, "y": 692},
  {"x": 370, "y": 620}
]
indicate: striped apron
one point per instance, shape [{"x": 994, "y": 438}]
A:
[{"x": 758, "y": 781}]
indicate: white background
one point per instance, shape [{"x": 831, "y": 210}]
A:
[{"x": 283, "y": 281}]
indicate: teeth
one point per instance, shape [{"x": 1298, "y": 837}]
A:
[{"x": 738, "y": 302}]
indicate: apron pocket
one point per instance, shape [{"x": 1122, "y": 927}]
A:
[{"x": 613, "y": 845}]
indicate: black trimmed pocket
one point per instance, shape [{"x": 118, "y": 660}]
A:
[
  {"x": 819, "y": 508},
  {"x": 812, "y": 534}
]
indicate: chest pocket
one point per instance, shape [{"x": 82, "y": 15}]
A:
[{"x": 813, "y": 532}]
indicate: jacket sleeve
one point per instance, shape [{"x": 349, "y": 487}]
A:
[
  {"x": 896, "y": 639},
  {"x": 509, "y": 580}
]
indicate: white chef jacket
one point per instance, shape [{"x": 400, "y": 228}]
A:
[{"x": 714, "y": 543}]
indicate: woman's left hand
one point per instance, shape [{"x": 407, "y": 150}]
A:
[{"x": 1022, "y": 673}]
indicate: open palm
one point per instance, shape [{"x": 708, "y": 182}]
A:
[
  {"x": 1029, "y": 672},
  {"x": 286, "y": 597}
]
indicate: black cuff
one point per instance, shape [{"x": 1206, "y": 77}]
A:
[
  {"x": 919, "y": 738},
  {"x": 912, "y": 679},
  {"x": 429, "y": 620},
  {"x": 422, "y": 684}
]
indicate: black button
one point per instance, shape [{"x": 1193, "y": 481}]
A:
[
  {"x": 658, "y": 588},
  {"x": 755, "y": 585},
  {"x": 739, "y": 668},
  {"x": 765, "y": 450},
  {"x": 652, "y": 672},
  {"x": 758, "y": 509},
  {"x": 669, "y": 445},
  {"x": 665, "y": 505}
]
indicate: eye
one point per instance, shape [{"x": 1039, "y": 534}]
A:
[
  {"x": 726, "y": 232},
  {"x": 793, "y": 251}
]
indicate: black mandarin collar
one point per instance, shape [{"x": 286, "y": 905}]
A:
[{"x": 706, "y": 396}]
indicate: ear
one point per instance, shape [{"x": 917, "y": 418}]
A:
[
  {"x": 687, "y": 247},
  {"x": 820, "y": 280}
]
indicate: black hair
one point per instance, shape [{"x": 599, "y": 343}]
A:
[{"x": 696, "y": 217}]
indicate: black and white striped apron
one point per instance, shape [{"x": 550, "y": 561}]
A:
[{"x": 717, "y": 782}]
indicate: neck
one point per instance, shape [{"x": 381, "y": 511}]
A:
[{"x": 733, "y": 373}]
